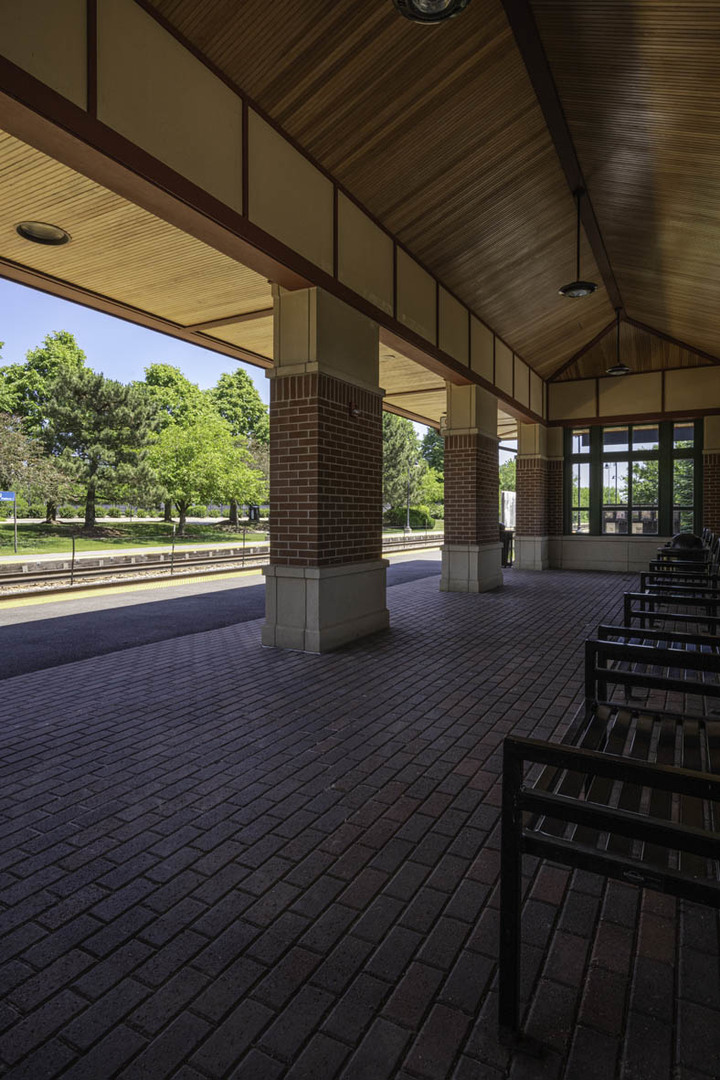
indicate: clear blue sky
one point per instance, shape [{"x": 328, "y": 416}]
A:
[{"x": 119, "y": 349}]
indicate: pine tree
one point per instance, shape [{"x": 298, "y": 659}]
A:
[{"x": 101, "y": 429}]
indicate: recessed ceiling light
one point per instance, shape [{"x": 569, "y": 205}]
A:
[
  {"x": 40, "y": 232},
  {"x": 578, "y": 288},
  {"x": 430, "y": 11}
]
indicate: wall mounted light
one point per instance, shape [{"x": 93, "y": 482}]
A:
[
  {"x": 353, "y": 410},
  {"x": 40, "y": 232},
  {"x": 430, "y": 11},
  {"x": 578, "y": 288}
]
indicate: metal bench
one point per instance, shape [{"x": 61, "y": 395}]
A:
[
  {"x": 630, "y": 793},
  {"x": 669, "y": 606}
]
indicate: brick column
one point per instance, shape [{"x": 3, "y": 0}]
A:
[
  {"x": 539, "y": 497},
  {"x": 711, "y": 475},
  {"x": 325, "y": 584},
  {"x": 471, "y": 554}
]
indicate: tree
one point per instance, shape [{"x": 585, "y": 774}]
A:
[
  {"x": 25, "y": 468},
  {"x": 401, "y": 460},
  {"x": 28, "y": 385},
  {"x": 199, "y": 462},
  {"x": 26, "y": 388},
  {"x": 432, "y": 487},
  {"x": 175, "y": 400},
  {"x": 236, "y": 399},
  {"x": 507, "y": 473},
  {"x": 433, "y": 450},
  {"x": 101, "y": 428}
]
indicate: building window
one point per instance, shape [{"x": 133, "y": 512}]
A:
[{"x": 634, "y": 479}]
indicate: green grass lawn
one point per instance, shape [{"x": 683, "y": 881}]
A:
[{"x": 41, "y": 539}]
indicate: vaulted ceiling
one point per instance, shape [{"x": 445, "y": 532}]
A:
[{"x": 467, "y": 146}]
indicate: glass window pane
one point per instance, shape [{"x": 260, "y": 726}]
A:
[
  {"x": 683, "y": 435},
  {"x": 580, "y": 485},
  {"x": 581, "y": 521},
  {"x": 646, "y": 437},
  {"x": 645, "y": 482},
  {"x": 683, "y": 486},
  {"x": 683, "y": 521},
  {"x": 615, "y": 522},
  {"x": 645, "y": 522},
  {"x": 615, "y": 483},
  {"x": 581, "y": 441},
  {"x": 615, "y": 439}
]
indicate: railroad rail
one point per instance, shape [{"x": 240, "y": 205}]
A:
[{"x": 179, "y": 567}]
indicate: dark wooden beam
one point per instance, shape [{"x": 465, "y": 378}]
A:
[
  {"x": 522, "y": 22},
  {"x": 673, "y": 341},
  {"x": 411, "y": 415},
  {"x": 231, "y": 320},
  {"x": 581, "y": 352}
]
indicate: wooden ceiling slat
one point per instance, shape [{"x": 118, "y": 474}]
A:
[{"x": 640, "y": 349}]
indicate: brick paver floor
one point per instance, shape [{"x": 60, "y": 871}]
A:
[{"x": 220, "y": 861}]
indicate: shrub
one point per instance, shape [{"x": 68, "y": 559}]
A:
[
  {"x": 198, "y": 511},
  {"x": 111, "y": 511},
  {"x": 420, "y": 517},
  {"x": 214, "y": 513}
]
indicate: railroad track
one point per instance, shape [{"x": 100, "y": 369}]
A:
[{"x": 36, "y": 581}]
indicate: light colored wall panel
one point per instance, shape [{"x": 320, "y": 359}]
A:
[
  {"x": 631, "y": 394},
  {"x": 154, "y": 92},
  {"x": 692, "y": 388},
  {"x": 453, "y": 336},
  {"x": 365, "y": 255},
  {"x": 481, "y": 349},
  {"x": 711, "y": 436},
  {"x": 47, "y": 38},
  {"x": 288, "y": 196},
  {"x": 503, "y": 367},
  {"x": 571, "y": 400},
  {"x": 522, "y": 382},
  {"x": 416, "y": 297},
  {"x": 536, "y": 393}
]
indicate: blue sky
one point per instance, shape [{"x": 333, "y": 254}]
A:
[{"x": 119, "y": 349}]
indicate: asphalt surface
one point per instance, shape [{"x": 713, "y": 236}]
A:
[{"x": 40, "y": 636}]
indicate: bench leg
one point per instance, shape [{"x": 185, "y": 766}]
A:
[{"x": 510, "y": 898}]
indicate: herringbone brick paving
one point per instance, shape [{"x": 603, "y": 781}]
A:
[{"x": 224, "y": 862}]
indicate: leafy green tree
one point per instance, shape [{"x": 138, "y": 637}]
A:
[
  {"x": 433, "y": 450},
  {"x": 201, "y": 462},
  {"x": 174, "y": 399},
  {"x": 101, "y": 429},
  {"x": 28, "y": 385},
  {"x": 507, "y": 472},
  {"x": 26, "y": 468},
  {"x": 26, "y": 388},
  {"x": 236, "y": 399},
  {"x": 432, "y": 487},
  {"x": 402, "y": 462}
]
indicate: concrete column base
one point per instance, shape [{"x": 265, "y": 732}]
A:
[
  {"x": 315, "y": 609},
  {"x": 471, "y": 568},
  {"x": 532, "y": 552}
]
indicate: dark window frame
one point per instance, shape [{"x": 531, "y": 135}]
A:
[{"x": 665, "y": 455}]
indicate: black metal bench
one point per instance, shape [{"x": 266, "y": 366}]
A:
[
  {"x": 665, "y": 605},
  {"x": 630, "y": 793}
]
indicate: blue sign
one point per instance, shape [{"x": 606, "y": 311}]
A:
[{"x": 7, "y": 496}]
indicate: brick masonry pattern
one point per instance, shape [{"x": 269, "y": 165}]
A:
[
  {"x": 471, "y": 489},
  {"x": 272, "y": 866},
  {"x": 325, "y": 472},
  {"x": 711, "y": 491},
  {"x": 531, "y": 504}
]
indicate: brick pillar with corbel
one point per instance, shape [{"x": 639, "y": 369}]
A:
[
  {"x": 472, "y": 552},
  {"x": 325, "y": 585},
  {"x": 532, "y": 499}
]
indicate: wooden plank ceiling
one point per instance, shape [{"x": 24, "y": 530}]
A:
[
  {"x": 639, "y": 349},
  {"x": 438, "y": 132},
  {"x": 640, "y": 89}
]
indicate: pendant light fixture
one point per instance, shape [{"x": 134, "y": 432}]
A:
[
  {"x": 430, "y": 11},
  {"x": 618, "y": 367},
  {"x": 578, "y": 288}
]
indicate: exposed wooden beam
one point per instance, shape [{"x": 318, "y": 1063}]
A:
[
  {"x": 231, "y": 320},
  {"x": 581, "y": 352},
  {"x": 37, "y": 279},
  {"x": 411, "y": 415},
  {"x": 672, "y": 341},
  {"x": 527, "y": 37}
]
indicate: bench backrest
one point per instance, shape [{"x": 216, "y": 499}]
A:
[{"x": 601, "y": 670}]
